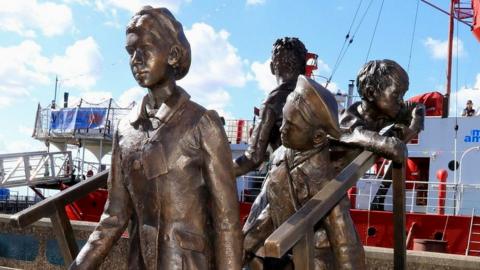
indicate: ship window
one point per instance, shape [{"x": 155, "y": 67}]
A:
[
  {"x": 453, "y": 165},
  {"x": 372, "y": 231}
]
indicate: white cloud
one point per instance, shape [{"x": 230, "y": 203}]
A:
[
  {"x": 255, "y": 2},
  {"x": 80, "y": 65},
  {"x": 264, "y": 77},
  {"x": 216, "y": 67},
  {"x": 135, "y": 5},
  {"x": 22, "y": 143},
  {"x": 133, "y": 94},
  {"x": 439, "y": 49},
  {"x": 466, "y": 93},
  {"x": 26, "y": 17},
  {"x": 24, "y": 67},
  {"x": 25, "y": 130},
  {"x": 322, "y": 67}
]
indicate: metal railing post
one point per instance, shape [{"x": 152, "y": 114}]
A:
[
  {"x": 399, "y": 234},
  {"x": 413, "y": 197},
  {"x": 303, "y": 251},
  {"x": 26, "y": 165},
  {"x": 470, "y": 232}
]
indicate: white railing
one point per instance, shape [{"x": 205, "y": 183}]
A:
[
  {"x": 31, "y": 168},
  {"x": 422, "y": 197},
  {"x": 43, "y": 125},
  {"x": 238, "y": 131},
  {"x": 249, "y": 187}
]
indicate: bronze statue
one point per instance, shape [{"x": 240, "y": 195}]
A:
[
  {"x": 288, "y": 61},
  {"x": 301, "y": 167},
  {"x": 382, "y": 84},
  {"x": 168, "y": 177}
]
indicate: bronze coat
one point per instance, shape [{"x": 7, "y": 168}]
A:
[{"x": 173, "y": 183}]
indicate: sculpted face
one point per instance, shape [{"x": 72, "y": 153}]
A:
[
  {"x": 296, "y": 133},
  {"x": 148, "y": 58},
  {"x": 390, "y": 100}
]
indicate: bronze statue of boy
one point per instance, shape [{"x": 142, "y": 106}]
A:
[
  {"x": 381, "y": 84},
  {"x": 168, "y": 177},
  {"x": 288, "y": 61},
  {"x": 301, "y": 167}
]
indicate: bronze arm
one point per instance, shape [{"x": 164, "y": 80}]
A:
[
  {"x": 115, "y": 217},
  {"x": 222, "y": 188},
  {"x": 255, "y": 154},
  {"x": 388, "y": 147}
]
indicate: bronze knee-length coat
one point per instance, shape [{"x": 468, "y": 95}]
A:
[{"x": 174, "y": 183}]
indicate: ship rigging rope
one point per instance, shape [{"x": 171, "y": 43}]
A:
[
  {"x": 374, "y": 30},
  {"x": 413, "y": 36},
  {"x": 349, "y": 38}
]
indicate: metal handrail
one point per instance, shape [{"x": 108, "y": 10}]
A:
[
  {"x": 48, "y": 206},
  {"x": 470, "y": 233},
  {"x": 54, "y": 207}
]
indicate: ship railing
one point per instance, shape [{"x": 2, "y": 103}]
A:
[
  {"x": 85, "y": 169},
  {"x": 421, "y": 196},
  {"x": 31, "y": 168},
  {"x": 43, "y": 124},
  {"x": 238, "y": 131},
  {"x": 249, "y": 186},
  {"x": 12, "y": 202}
]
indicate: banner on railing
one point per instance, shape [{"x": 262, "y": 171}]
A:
[{"x": 66, "y": 120}]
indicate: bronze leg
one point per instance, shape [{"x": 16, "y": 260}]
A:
[
  {"x": 346, "y": 246},
  {"x": 323, "y": 251}
]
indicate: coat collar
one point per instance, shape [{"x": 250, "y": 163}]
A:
[{"x": 144, "y": 110}]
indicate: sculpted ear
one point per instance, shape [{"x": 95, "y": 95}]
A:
[
  {"x": 319, "y": 136},
  {"x": 271, "y": 68},
  {"x": 174, "y": 56},
  {"x": 370, "y": 93}
]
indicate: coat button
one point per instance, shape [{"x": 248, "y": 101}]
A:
[{"x": 137, "y": 165}]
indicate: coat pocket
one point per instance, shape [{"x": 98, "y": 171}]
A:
[
  {"x": 154, "y": 161},
  {"x": 189, "y": 240}
]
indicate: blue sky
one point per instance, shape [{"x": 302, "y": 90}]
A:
[{"x": 82, "y": 42}]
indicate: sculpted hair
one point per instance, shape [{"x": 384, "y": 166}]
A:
[
  {"x": 161, "y": 22},
  {"x": 289, "y": 52},
  {"x": 378, "y": 75}
]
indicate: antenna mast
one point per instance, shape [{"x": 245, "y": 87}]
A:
[{"x": 446, "y": 97}]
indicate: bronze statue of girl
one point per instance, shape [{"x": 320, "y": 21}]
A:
[{"x": 168, "y": 178}]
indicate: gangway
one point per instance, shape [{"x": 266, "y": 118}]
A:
[{"x": 35, "y": 168}]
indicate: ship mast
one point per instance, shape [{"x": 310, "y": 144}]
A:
[{"x": 446, "y": 97}]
